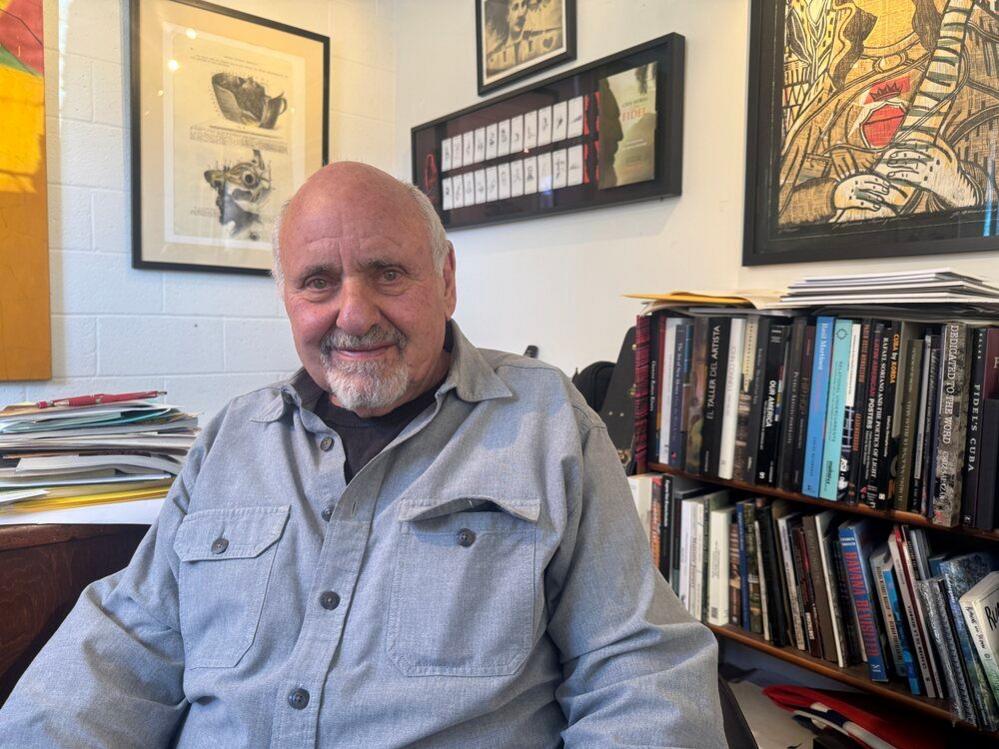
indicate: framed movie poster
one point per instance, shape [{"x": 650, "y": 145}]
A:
[
  {"x": 518, "y": 38},
  {"x": 607, "y": 133},
  {"x": 229, "y": 117},
  {"x": 873, "y": 129}
]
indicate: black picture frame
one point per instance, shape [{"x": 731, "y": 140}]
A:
[
  {"x": 765, "y": 240},
  {"x": 429, "y": 170},
  {"x": 520, "y": 72},
  {"x": 314, "y": 49}
]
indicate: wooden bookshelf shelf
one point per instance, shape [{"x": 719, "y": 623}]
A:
[
  {"x": 854, "y": 676},
  {"x": 894, "y": 516}
]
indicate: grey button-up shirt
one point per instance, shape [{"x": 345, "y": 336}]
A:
[{"x": 484, "y": 581}]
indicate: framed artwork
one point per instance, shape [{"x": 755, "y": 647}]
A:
[
  {"x": 230, "y": 114},
  {"x": 518, "y": 38},
  {"x": 607, "y": 133},
  {"x": 873, "y": 129},
  {"x": 25, "y": 325}
]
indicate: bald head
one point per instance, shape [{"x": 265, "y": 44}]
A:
[{"x": 360, "y": 188}]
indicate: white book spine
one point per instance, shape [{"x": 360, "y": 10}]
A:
[
  {"x": 697, "y": 597},
  {"x": 915, "y": 572},
  {"x": 733, "y": 384},
  {"x": 721, "y": 521},
  {"x": 979, "y": 606},
  {"x": 686, "y": 541},
  {"x": 915, "y": 627},
  {"x": 832, "y": 589},
  {"x": 666, "y": 393},
  {"x": 792, "y": 584}
]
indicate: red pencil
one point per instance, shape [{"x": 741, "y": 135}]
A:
[{"x": 99, "y": 398}]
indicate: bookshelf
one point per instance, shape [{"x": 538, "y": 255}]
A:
[{"x": 854, "y": 676}]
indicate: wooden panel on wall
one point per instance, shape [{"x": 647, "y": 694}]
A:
[{"x": 25, "y": 329}]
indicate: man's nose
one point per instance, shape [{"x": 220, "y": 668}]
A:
[{"x": 358, "y": 310}]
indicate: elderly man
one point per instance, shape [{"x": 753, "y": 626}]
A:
[{"x": 411, "y": 542}]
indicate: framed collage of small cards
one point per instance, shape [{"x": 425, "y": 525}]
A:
[{"x": 607, "y": 133}]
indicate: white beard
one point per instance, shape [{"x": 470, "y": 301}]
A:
[{"x": 368, "y": 385}]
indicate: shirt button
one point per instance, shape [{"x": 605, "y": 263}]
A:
[
  {"x": 219, "y": 545},
  {"x": 326, "y": 444},
  {"x": 329, "y": 600},
  {"x": 298, "y": 698},
  {"x": 466, "y": 537},
  {"x": 327, "y": 512}
]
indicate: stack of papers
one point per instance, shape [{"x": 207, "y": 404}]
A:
[
  {"x": 937, "y": 286},
  {"x": 745, "y": 298},
  {"x": 76, "y": 457}
]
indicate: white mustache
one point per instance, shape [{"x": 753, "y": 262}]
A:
[{"x": 376, "y": 336}]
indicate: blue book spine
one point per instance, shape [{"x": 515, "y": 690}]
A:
[
  {"x": 743, "y": 566},
  {"x": 835, "y": 408},
  {"x": 815, "y": 438},
  {"x": 862, "y": 591},
  {"x": 911, "y": 669}
]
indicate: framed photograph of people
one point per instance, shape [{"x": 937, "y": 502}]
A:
[
  {"x": 229, "y": 115},
  {"x": 873, "y": 129},
  {"x": 606, "y": 133},
  {"x": 518, "y": 38}
]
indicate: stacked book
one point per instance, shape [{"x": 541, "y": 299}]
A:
[
  {"x": 88, "y": 452},
  {"x": 874, "y": 406},
  {"x": 851, "y": 591}
]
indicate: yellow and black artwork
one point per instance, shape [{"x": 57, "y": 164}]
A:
[{"x": 874, "y": 130}]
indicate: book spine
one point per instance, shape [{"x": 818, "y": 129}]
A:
[
  {"x": 768, "y": 633},
  {"x": 753, "y": 567},
  {"x": 888, "y": 467},
  {"x": 714, "y": 394},
  {"x": 846, "y": 442},
  {"x": 850, "y": 622},
  {"x": 804, "y": 398},
  {"x": 893, "y": 585},
  {"x": 951, "y": 416},
  {"x": 766, "y": 456},
  {"x": 910, "y": 420},
  {"x": 918, "y": 458},
  {"x": 831, "y": 586},
  {"x": 758, "y": 395},
  {"x": 792, "y": 399},
  {"x": 676, "y": 538},
  {"x": 862, "y": 603},
  {"x": 987, "y": 485},
  {"x": 741, "y": 468},
  {"x": 809, "y": 594},
  {"x": 697, "y": 568},
  {"x": 794, "y": 599},
  {"x": 909, "y": 606},
  {"x": 718, "y": 567},
  {"x": 938, "y": 637},
  {"x": 975, "y": 618},
  {"x": 815, "y": 439},
  {"x": 679, "y": 383},
  {"x": 734, "y": 578},
  {"x": 972, "y": 458},
  {"x": 745, "y": 618},
  {"x": 939, "y": 618},
  {"x": 774, "y": 582},
  {"x": 640, "y": 390},
  {"x": 865, "y": 496},
  {"x": 667, "y": 372},
  {"x": 819, "y": 588},
  {"x": 687, "y": 508},
  {"x": 878, "y": 434},
  {"x": 932, "y": 428},
  {"x": 695, "y": 399},
  {"x": 666, "y": 529},
  {"x": 835, "y": 408},
  {"x": 891, "y": 627},
  {"x": 730, "y": 410},
  {"x": 859, "y": 410},
  {"x": 658, "y": 333},
  {"x": 656, "y": 522}
]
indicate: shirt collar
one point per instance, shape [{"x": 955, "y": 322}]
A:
[{"x": 470, "y": 376}]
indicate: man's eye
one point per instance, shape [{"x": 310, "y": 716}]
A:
[
  {"x": 319, "y": 284},
  {"x": 391, "y": 275}
]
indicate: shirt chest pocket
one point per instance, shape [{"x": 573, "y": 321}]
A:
[
  {"x": 464, "y": 589},
  {"x": 226, "y": 557}
]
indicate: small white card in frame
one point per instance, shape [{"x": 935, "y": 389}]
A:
[
  {"x": 559, "y": 164},
  {"x": 446, "y": 155},
  {"x": 559, "y": 121},
  {"x": 575, "y": 128},
  {"x": 468, "y": 148},
  {"x": 446, "y": 192},
  {"x": 531, "y": 129},
  {"x": 480, "y": 145},
  {"x": 545, "y": 171},
  {"x": 480, "y": 186},
  {"x": 456, "y": 152},
  {"x": 503, "y": 174},
  {"x": 491, "y": 141},
  {"x": 517, "y": 134},
  {"x": 458, "y": 192},
  {"x": 575, "y": 165},
  {"x": 544, "y": 126},
  {"x": 517, "y": 178},
  {"x": 469, "y": 181},
  {"x": 530, "y": 175},
  {"x": 503, "y": 148},
  {"x": 492, "y": 185}
]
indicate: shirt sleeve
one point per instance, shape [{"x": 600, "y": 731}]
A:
[
  {"x": 112, "y": 674},
  {"x": 638, "y": 670}
]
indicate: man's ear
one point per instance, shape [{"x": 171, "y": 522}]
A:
[{"x": 450, "y": 289}]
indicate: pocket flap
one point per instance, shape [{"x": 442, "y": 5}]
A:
[
  {"x": 231, "y": 533},
  {"x": 415, "y": 508}
]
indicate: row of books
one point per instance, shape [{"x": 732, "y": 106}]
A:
[
  {"x": 845, "y": 589},
  {"x": 891, "y": 413},
  {"x": 89, "y": 452}
]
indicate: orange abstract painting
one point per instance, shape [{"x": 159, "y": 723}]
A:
[{"x": 25, "y": 332}]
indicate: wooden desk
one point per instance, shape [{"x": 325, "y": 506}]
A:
[{"x": 43, "y": 569}]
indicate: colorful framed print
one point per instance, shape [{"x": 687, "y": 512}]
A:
[
  {"x": 518, "y": 38},
  {"x": 873, "y": 129},
  {"x": 230, "y": 114},
  {"x": 607, "y": 133}
]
